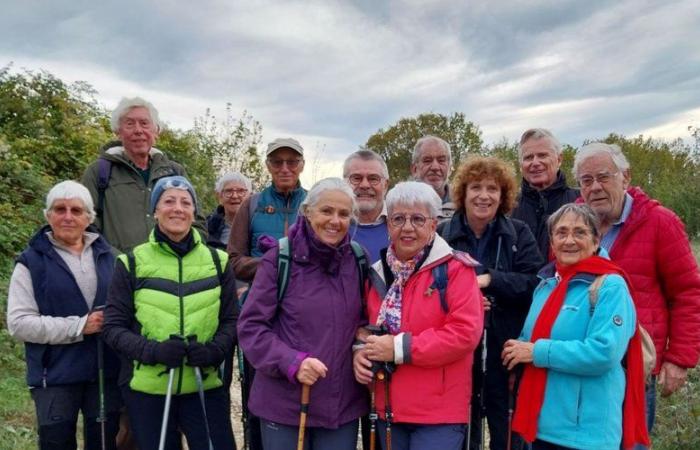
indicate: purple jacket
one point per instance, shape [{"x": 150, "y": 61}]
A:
[{"x": 318, "y": 317}]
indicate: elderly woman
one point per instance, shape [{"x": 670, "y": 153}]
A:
[
  {"x": 583, "y": 383},
  {"x": 484, "y": 191},
  {"x": 56, "y": 293},
  {"x": 232, "y": 189},
  {"x": 305, "y": 337},
  {"x": 427, "y": 315},
  {"x": 171, "y": 314}
]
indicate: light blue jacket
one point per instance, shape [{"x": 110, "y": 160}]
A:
[{"x": 585, "y": 388}]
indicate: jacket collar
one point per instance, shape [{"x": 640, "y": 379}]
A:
[
  {"x": 460, "y": 229},
  {"x": 559, "y": 185},
  {"x": 41, "y": 242},
  {"x": 439, "y": 251}
]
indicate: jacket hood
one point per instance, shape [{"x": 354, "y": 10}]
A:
[
  {"x": 119, "y": 151},
  {"x": 41, "y": 243}
]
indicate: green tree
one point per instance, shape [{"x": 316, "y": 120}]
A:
[
  {"x": 395, "y": 144},
  {"x": 232, "y": 144}
]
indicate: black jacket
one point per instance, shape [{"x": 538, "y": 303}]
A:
[
  {"x": 535, "y": 207},
  {"x": 216, "y": 221},
  {"x": 512, "y": 259}
]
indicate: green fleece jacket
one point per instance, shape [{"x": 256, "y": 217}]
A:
[{"x": 127, "y": 219}]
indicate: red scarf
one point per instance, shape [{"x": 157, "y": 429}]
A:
[{"x": 534, "y": 380}]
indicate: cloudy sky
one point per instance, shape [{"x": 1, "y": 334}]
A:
[{"x": 332, "y": 73}]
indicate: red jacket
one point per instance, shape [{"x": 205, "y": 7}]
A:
[
  {"x": 654, "y": 250},
  {"x": 434, "y": 383}
]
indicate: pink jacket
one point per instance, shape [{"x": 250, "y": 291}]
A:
[
  {"x": 654, "y": 250},
  {"x": 433, "y": 385}
]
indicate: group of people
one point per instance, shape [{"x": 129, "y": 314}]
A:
[{"x": 415, "y": 313}]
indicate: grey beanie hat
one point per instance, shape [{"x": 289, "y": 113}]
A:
[{"x": 174, "y": 182}]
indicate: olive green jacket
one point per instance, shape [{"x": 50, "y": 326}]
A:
[{"x": 126, "y": 219}]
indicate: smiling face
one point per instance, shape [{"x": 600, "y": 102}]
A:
[
  {"x": 432, "y": 166},
  {"x": 572, "y": 240},
  {"x": 361, "y": 176},
  {"x": 175, "y": 213},
  {"x": 68, "y": 219},
  {"x": 606, "y": 197},
  {"x": 539, "y": 163},
  {"x": 481, "y": 201},
  {"x": 231, "y": 197},
  {"x": 137, "y": 132},
  {"x": 409, "y": 239},
  {"x": 285, "y": 165},
  {"x": 330, "y": 216}
]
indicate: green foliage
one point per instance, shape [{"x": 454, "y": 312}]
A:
[
  {"x": 668, "y": 172},
  {"x": 678, "y": 417},
  {"x": 395, "y": 144},
  {"x": 231, "y": 144}
]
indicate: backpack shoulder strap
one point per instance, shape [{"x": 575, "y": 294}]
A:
[
  {"x": 131, "y": 262},
  {"x": 217, "y": 262},
  {"x": 362, "y": 264},
  {"x": 104, "y": 172},
  {"x": 283, "y": 267},
  {"x": 440, "y": 283},
  {"x": 593, "y": 291}
]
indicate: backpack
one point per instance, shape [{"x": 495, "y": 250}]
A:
[
  {"x": 439, "y": 273},
  {"x": 648, "y": 348}
]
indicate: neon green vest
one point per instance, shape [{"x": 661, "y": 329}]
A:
[{"x": 175, "y": 296}]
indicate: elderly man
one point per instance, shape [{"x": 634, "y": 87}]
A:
[
  {"x": 649, "y": 242},
  {"x": 120, "y": 181},
  {"x": 268, "y": 213},
  {"x": 431, "y": 162},
  {"x": 232, "y": 189},
  {"x": 544, "y": 187},
  {"x": 368, "y": 175}
]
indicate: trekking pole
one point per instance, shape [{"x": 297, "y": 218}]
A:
[
  {"x": 102, "y": 417},
  {"x": 244, "y": 396},
  {"x": 484, "y": 354},
  {"x": 385, "y": 375},
  {"x": 166, "y": 410},
  {"x": 305, "y": 391},
  {"x": 373, "y": 411},
  {"x": 200, "y": 389},
  {"x": 511, "y": 402},
  {"x": 469, "y": 430}
]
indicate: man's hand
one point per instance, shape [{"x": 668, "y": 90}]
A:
[
  {"x": 94, "y": 322},
  {"x": 516, "y": 352},
  {"x": 671, "y": 378}
]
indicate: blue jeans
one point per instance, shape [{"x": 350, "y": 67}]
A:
[
  {"x": 650, "y": 393},
  {"x": 406, "y": 436},
  {"x": 276, "y": 436}
]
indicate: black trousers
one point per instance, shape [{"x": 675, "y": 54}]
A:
[
  {"x": 542, "y": 445},
  {"x": 186, "y": 415},
  {"x": 57, "y": 409}
]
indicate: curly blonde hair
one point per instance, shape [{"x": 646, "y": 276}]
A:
[{"x": 477, "y": 168}]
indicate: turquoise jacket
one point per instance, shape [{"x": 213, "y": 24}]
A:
[
  {"x": 274, "y": 214},
  {"x": 585, "y": 388}
]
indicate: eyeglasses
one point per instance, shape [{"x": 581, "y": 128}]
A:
[
  {"x": 228, "y": 193},
  {"x": 417, "y": 220},
  {"x": 356, "y": 179},
  {"x": 601, "y": 178},
  {"x": 578, "y": 234},
  {"x": 278, "y": 163},
  {"x": 62, "y": 210}
]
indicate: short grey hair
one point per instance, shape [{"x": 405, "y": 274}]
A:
[
  {"x": 324, "y": 185},
  {"x": 70, "y": 189},
  {"x": 598, "y": 148},
  {"x": 365, "y": 155},
  {"x": 580, "y": 210},
  {"x": 127, "y": 104},
  {"x": 235, "y": 177},
  {"x": 418, "y": 148},
  {"x": 414, "y": 193},
  {"x": 536, "y": 134}
]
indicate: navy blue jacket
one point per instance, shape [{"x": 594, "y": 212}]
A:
[
  {"x": 216, "y": 221},
  {"x": 511, "y": 257},
  {"x": 534, "y": 208},
  {"x": 57, "y": 294}
]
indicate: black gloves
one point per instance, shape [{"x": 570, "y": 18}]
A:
[
  {"x": 204, "y": 355},
  {"x": 170, "y": 352}
]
